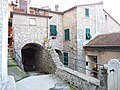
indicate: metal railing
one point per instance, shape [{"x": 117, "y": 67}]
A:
[
  {"x": 81, "y": 66},
  {"x": 18, "y": 59}
]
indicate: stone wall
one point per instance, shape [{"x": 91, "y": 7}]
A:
[
  {"x": 110, "y": 23},
  {"x": 70, "y": 46},
  {"x": 79, "y": 80},
  {"x": 24, "y": 33},
  {"x": 56, "y": 20},
  {"x": 47, "y": 62},
  {"x": 82, "y": 81}
]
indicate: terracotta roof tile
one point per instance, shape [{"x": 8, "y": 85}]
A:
[{"x": 105, "y": 40}]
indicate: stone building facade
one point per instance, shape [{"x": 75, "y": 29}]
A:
[
  {"x": 26, "y": 32},
  {"x": 56, "y": 19},
  {"x": 98, "y": 21},
  {"x": 77, "y": 21}
]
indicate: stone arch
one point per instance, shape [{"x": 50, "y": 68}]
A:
[{"x": 32, "y": 56}]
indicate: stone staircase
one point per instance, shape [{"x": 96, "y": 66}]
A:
[
  {"x": 10, "y": 54},
  {"x": 13, "y": 68}
]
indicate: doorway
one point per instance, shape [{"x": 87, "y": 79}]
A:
[
  {"x": 31, "y": 57},
  {"x": 92, "y": 66}
]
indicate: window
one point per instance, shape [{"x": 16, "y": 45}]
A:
[
  {"x": 53, "y": 30},
  {"x": 32, "y": 21},
  {"x": 106, "y": 17},
  {"x": 67, "y": 36},
  {"x": 88, "y": 35},
  {"x": 65, "y": 58},
  {"x": 86, "y": 12}
]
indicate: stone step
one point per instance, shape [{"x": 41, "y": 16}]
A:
[{"x": 10, "y": 55}]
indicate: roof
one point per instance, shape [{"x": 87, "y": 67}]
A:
[
  {"x": 48, "y": 10},
  {"x": 82, "y": 5},
  {"x": 105, "y": 40},
  {"x": 72, "y": 8},
  {"x": 37, "y": 15}
]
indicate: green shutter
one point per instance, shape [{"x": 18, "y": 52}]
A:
[
  {"x": 88, "y": 35},
  {"x": 65, "y": 58},
  {"x": 87, "y": 30},
  {"x": 86, "y": 12},
  {"x": 53, "y": 30},
  {"x": 67, "y": 36}
]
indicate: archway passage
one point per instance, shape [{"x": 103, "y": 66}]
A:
[{"x": 31, "y": 57}]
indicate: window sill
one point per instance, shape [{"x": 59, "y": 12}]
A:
[
  {"x": 53, "y": 37},
  {"x": 87, "y": 17},
  {"x": 66, "y": 40}
]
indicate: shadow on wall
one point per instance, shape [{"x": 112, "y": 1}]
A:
[
  {"x": 60, "y": 55},
  {"x": 37, "y": 58}
]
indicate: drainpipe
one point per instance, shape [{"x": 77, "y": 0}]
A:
[{"x": 48, "y": 28}]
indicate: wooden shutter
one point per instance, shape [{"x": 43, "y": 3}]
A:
[
  {"x": 88, "y": 35},
  {"x": 87, "y": 12},
  {"x": 53, "y": 30},
  {"x": 67, "y": 34},
  {"x": 65, "y": 58}
]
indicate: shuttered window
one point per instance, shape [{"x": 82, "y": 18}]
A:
[
  {"x": 88, "y": 35},
  {"x": 67, "y": 34},
  {"x": 65, "y": 58},
  {"x": 53, "y": 30},
  {"x": 86, "y": 12}
]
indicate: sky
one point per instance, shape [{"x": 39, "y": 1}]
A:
[{"x": 111, "y": 6}]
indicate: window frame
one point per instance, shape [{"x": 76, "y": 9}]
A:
[
  {"x": 106, "y": 17},
  {"x": 31, "y": 21},
  {"x": 87, "y": 12},
  {"x": 87, "y": 34},
  {"x": 55, "y": 30},
  {"x": 65, "y": 63},
  {"x": 67, "y": 38}
]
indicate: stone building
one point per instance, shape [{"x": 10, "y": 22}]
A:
[
  {"x": 66, "y": 32},
  {"x": 84, "y": 22},
  {"x": 30, "y": 30}
]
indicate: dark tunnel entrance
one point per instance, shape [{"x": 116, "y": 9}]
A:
[{"x": 31, "y": 57}]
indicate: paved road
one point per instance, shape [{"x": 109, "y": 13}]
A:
[{"x": 41, "y": 82}]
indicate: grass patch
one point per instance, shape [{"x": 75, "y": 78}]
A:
[
  {"x": 16, "y": 72},
  {"x": 11, "y": 63}
]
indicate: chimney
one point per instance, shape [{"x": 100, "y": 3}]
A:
[
  {"x": 23, "y": 5},
  {"x": 16, "y": 1},
  {"x": 56, "y": 8}
]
